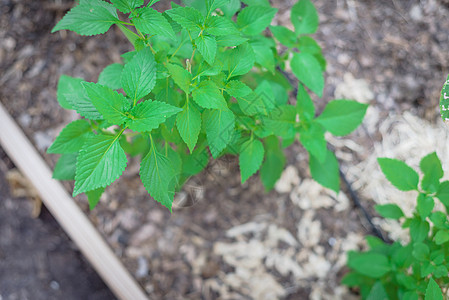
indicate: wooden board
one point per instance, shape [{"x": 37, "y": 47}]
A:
[{"x": 66, "y": 212}]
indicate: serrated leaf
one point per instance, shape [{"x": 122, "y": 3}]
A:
[
  {"x": 232, "y": 40},
  {"x": 208, "y": 95},
  {"x": 304, "y": 17},
  {"x": 71, "y": 138},
  {"x": 240, "y": 60},
  {"x": 390, "y": 211},
  {"x": 90, "y": 17},
  {"x": 419, "y": 230},
  {"x": 152, "y": 2},
  {"x": 220, "y": 127},
  {"x": 219, "y": 26},
  {"x": 425, "y": 205},
  {"x": 110, "y": 76},
  {"x": 100, "y": 162},
  {"x": 252, "y": 20},
  {"x": 150, "y": 21},
  {"x": 308, "y": 70},
  {"x": 312, "y": 138},
  {"x": 109, "y": 103},
  {"x": 399, "y": 174},
  {"x": 181, "y": 76},
  {"x": 250, "y": 158},
  {"x": 273, "y": 164},
  {"x": 430, "y": 165},
  {"x": 158, "y": 177},
  {"x": 83, "y": 105},
  {"x": 326, "y": 173},
  {"x": 212, "y": 5},
  {"x": 264, "y": 55},
  {"x": 67, "y": 85},
  {"x": 139, "y": 75},
  {"x": 433, "y": 291},
  {"x": 237, "y": 89},
  {"x": 231, "y": 8},
  {"x": 207, "y": 46},
  {"x": 341, "y": 117},
  {"x": 188, "y": 123},
  {"x": 125, "y": 6},
  {"x": 444, "y": 101},
  {"x": 188, "y": 17},
  {"x": 309, "y": 45},
  {"x": 148, "y": 115},
  {"x": 65, "y": 167},
  {"x": 280, "y": 121},
  {"x": 377, "y": 292},
  {"x": 93, "y": 197},
  {"x": 374, "y": 265},
  {"x": 304, "y": 104},
  {"x": 261, "y": 101},
  {"x": 443, "y": 193},
  {"x": 284, "y": 35}
]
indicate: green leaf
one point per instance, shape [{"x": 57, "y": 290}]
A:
[
  {"x": 399, "y": 174},
  {"x": 93, "y": 197},
  {"x": 65, "y": 167},
  {"x": 71, "y": 138},
  {"x": 420, "y": 251},
  {"x": 258, "y": 102},
  {"x": 433, "y": 171},
  {"x": 326, "y": 173},
  {"x": 441, "y": 237},
  {"x": 443, "y": 193},
  {"x": 100, "y": 162},
  {"x": 444, "y": 101},
  {"x": 304, "y": 104},
  {"x": 281, "y": 121},
  {"x": 309, "y": 45},
  {"x": 284, "y": 35},
  {"x": 139, "y": 75},
  {"x": 312, "y": 138},
  {"x": 410, "y": 296},
  {"x": 304, "y": 17},
  {"x": 109, "y": 103},
  {"x": 374, "y": 265},
  {"x": 208, "y": 95},
  {"x": 237, "y": 89},
  {"x": 148, "y": 115},
  {"x": 110, "y": 76},
  {"x": 153, "y": 2},
  {"x": 231, "y": 8},
  {"x": 83, "y": 105},
  {"x": 150, "y": 21},
  {"x": 125, "y": 6},
  {"x": 232, "y": 40},
  {"x": 240, "y": 60},
  {"x": 219, "y": 26},
  {"x": 377, "y": 292},
  {"x": 425, "y": 205},
  {"x": 341, "y": 117},
  {"x": 181, "y": 76},
  {"x": 90, "y": 17},
  {"x": 188, "y": 17},
  {"x": 212, "y": 5},
  {"x": 263, "y": 54},
  {"x": 220, "y": 127},
  {"x": 158, "y": 177},
  {"x": 273, "y": 164},
  {"x": 419, "y": 230},
  {"x": 67, "y": 85},
  {"x": 308, "y": 70},
  {"x": 433, "y": 291},
  {"x": 439, "y": 219},
  {"x": 207, "y": 46},
  {"x": 252, "y": 20},
  {"x": 389, "y": 211},
  {"x": 250, "y": 158},
  {"x": 188, "y": 123}
]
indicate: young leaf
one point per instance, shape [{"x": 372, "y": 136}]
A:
[
  {"x": 433, "y": 291},
  {"x": 304, "y": 105},
  {"x": 237, "y": 89},
  {"x": 443, "y": 193},
  {"x": 100, "y": 162},
  {"x": 158, "y": 177},
  {"x": 220, "y": 127},
  {"x": 252, "y": 20},
  {"x": 312, "y": 138},
  {"x": 188, "y": 123},
  {"x": 341, "y": 117},
  {"x": 139, "y": 75},
  {"x": 441, "y": 237},
  {"x": 326, "y": 173},
  {"x": 181, "y": 76},
  {"x": 420, "y": 251},
  {"x": 399, "y": 174},
  {"x": 425, "y": 205},
  {"x": 67, "y": 85},
  {"x": 110, "y": 76},
  {"x": 207, "y": 46},
  {"x": 419, "y": 230},
  {"x": 188, "y": 17},
  {"x": 109, "y": 103},
  {"x": 208, "y": 95},
  {"x": 284, "y": 35},
  {"x": 90, "y": 17},
  {"x": 308, "y": 70},
  {"x": 71, "y": 138},
  {"x": 147, "y": 115},
  {"x": 219, "y": 26},
  {"x": 93, "y": 197},
  {"x": 374, "y": 265},
  {"x": 250, "y": 158},
  {"x": 125, "y": 6},
  {"x": 150, "y": 21},
  {"x": 433, "y": 171},
  {"x": 240, "y": 60},
  {"x": 65, "y": 167},
  {"x": 389, "y": 211},
  {"x": 273, "y": 164},
  {"x": 304, "y": 17}
]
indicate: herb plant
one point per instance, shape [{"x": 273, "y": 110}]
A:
[
  {"x": 204, "y": 79},
  {"x": 418, "y": 269}
]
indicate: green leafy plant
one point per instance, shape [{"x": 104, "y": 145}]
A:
[
  {"x": 418, "y": 269},
  {"x": 205, "y": 77}
]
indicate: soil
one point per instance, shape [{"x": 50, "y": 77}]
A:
[{"x": 397, "y": 48}]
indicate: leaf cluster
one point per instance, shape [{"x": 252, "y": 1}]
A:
[
  {"x": 204, "y": 79},
  {"x": 418, "y": 269}
]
